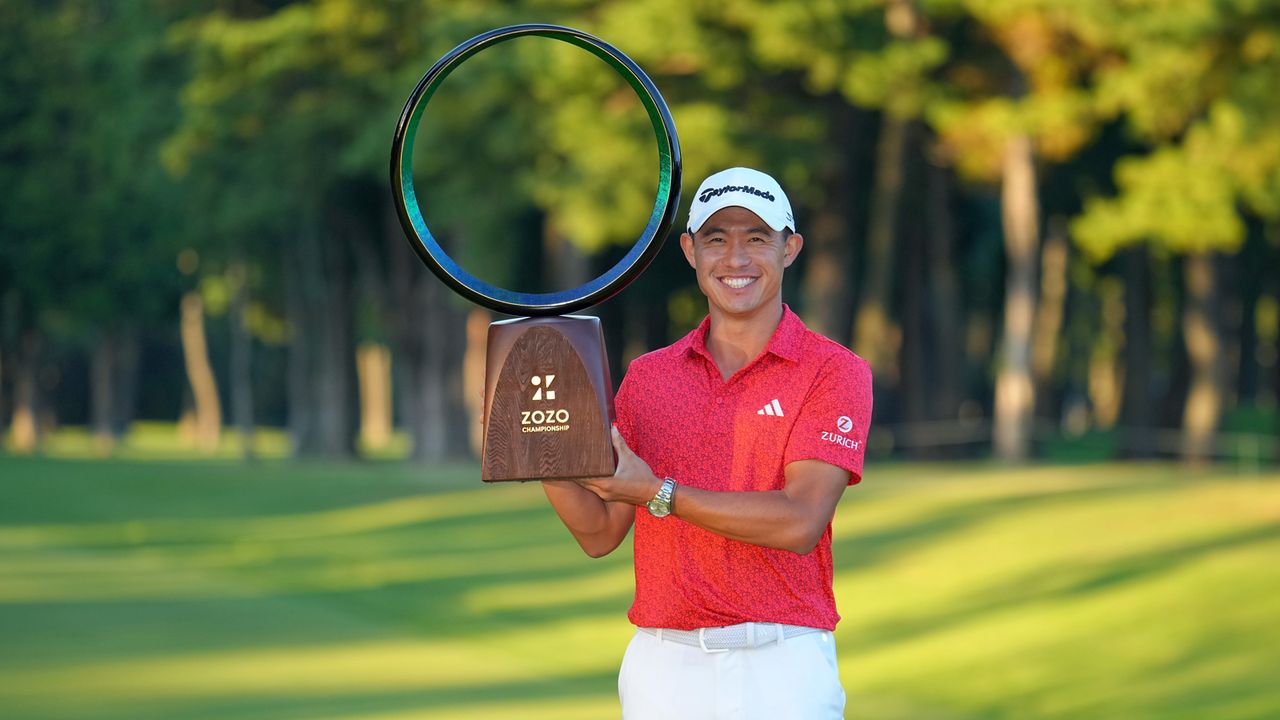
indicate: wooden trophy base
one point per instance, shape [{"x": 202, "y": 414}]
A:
[{"x": 548, "y": 400}]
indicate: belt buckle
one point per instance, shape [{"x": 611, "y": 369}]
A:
[{"x": 702, "y": 643}]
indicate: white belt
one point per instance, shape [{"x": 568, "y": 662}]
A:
[{"x": 731, "y": 637}]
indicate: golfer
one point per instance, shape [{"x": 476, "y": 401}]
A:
[{"x": 734, "y": 446}]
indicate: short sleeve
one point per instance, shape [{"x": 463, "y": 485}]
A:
[{"x": 832, "y": 424}]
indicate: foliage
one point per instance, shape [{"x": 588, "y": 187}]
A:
[
  {"x": 87, "y": 213},
  {"x": 252, "y": 134},
  {"x": 1202, "y": 85}
]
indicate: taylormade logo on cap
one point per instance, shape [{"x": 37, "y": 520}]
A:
[
  {"x": 709, "y": 193},
  {"x": 744, "y": 188}
]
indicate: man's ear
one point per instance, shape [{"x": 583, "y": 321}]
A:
[
  {"x": 791, "y": 248},
  {"x": 686, "y": 244}
]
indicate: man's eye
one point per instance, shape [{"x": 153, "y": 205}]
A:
[{"x": 759, "y": 240}]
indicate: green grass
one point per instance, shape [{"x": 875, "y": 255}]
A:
[
  {"x": 212, "y": 590},
  {"x": 152, "y": 440}
]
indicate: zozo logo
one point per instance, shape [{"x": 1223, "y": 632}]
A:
[
  {"x": 543, "y": 417},
  {"x": 543, "y": 383},
  {"x": 544, "y": 420}
]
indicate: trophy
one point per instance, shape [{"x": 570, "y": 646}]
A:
[{"x": 548, "y": 396}]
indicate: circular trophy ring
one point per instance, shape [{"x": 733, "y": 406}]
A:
[{"x": 510, "y": 302}]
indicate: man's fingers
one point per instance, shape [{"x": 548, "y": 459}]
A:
[{"x": 619, "y": 444}]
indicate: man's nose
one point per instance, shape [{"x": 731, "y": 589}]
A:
[{"x": 738, "y": 255}]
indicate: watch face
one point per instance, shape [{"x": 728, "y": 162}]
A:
[{"x": 660, "y": 505}]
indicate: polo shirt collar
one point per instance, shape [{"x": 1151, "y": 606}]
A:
[{"x": 785, "y": 343}]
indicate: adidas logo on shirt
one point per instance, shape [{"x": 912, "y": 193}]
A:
[{"x": 773, "y": 408}]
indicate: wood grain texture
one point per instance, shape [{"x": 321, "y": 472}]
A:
[{"x": 537, "y": 429}]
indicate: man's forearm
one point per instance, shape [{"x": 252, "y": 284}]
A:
[
  {"x": 770, "y": 519},
  {"x": 792, "y": 518},
  {"x": 598, "y": 526}
]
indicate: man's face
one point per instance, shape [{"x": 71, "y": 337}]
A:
[{"x": 739, "y": 261}]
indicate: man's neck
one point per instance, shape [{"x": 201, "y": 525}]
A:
[{"x": 734, "y": 341}]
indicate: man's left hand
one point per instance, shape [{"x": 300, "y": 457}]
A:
[{"x": 632, "y": 482}]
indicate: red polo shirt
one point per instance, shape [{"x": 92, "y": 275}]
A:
[{"x": 804, "y": 397}]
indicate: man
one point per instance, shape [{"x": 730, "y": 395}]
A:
[{"x": 734, "y": 446}]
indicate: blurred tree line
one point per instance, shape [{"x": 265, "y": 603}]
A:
[{"x": 1041, "y": 222}]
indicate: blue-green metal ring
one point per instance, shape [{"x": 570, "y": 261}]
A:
[{"x": 665, "y": 206}]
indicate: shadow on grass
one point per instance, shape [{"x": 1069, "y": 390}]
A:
[
  {"x": 1063, "y": 580},
  {"x": 264, "y": 565},
  {"x": 436, "y": 565},
  {"x": 866, "y": 549},
  {"x": 505, "y": 698}
]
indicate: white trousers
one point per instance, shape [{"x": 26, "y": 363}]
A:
[{"x": 797, "y": 678}]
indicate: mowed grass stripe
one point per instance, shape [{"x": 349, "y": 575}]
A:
[{"x": 380, "y": 591}]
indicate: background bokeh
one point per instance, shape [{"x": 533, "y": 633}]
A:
[{"x": 237, "y": 476}]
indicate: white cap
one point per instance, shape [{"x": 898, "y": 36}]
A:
[{"x": 745, "y": 188}]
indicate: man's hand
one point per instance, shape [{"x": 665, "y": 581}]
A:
[
  {"x": 596, "y": 523},
  {"x": 632, "y": 482}
]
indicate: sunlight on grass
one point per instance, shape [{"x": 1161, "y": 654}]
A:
[
  {"x": 151, "y": 440},
  {"x": 617, "y": 584},
  {"x": 159, "y": 441},
  {"x": 342, "y": 521},
  {"x": 1075, "y": 604},
  {"x": 480, "y": 658},
  {"x": 330, "y": 550},
  {"x": 216, "y": 590},
  {"x": 604, "y": 706}
]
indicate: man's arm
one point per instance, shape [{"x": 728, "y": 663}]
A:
[
  {"x": 598, "y": 526},
  {"x": 792, "y": 518}
]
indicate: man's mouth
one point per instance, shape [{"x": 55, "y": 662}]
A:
[{"x": 737, "y": 283}]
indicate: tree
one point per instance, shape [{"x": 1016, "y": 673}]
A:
[
  {"x": 1201, "y": 87},
  {"x": 86, "y": 98}
]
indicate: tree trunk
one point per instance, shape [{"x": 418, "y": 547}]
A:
[
  {"x": 917, "y": 358},
  {"x": 1252, "y": 269},
  {"x": 301, "y": 402},
  {"x": 917, "y": 364},
  {"x": 113, "y": 384},
  {"x": 125, "y": 382},
  {"x": 204, "y": 388},
  {"x": 825, "y": 292},
  {"x": 1106, "y": 375},
  {"x": 430, "y": 335},
  {"x": 322, "y": 355},
  {"x": 875, "y": 337},
  {"x": 241, "y": 358},
  {"x": 373, "y": 367},
  {"x": 1049, "y": 314},
  {"x": 1275, "y": 379},
  {"x": 1136, "y": 409},
  {"x": 102, "y": 393},
  {"x": 1015, "y": 394},
  {"x": 5, "y": 368},
  {"x": 436, "y": 409},
  {"x": 335, "y": 369},
  {"x": 24, "y": 428},
  {"x": 1230, "y": 288},
  {"x": 1201, "y": 327},
  {"x": 945, "y": 303}
]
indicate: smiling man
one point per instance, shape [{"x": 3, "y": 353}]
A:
[{"x": 734, "y": 446}]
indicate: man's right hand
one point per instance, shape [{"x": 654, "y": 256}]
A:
[{"x": 632, "y": 482}]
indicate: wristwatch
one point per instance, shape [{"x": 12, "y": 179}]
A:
[{"x": 660, "y": 505}]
